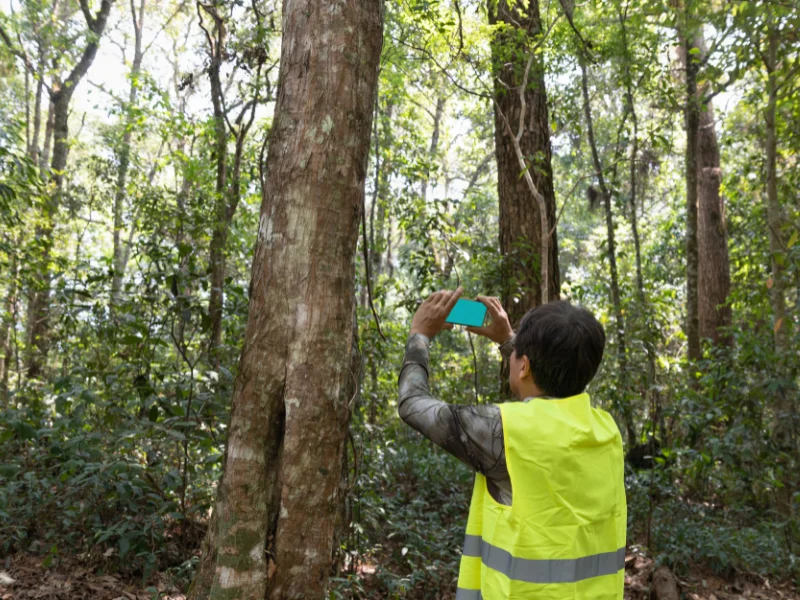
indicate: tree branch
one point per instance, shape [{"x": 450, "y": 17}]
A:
[
  {"x": 87, "y": 14},
  {"x": 21, "y": 54}
]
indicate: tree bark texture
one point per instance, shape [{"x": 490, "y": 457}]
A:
[
  {"x": 520, "y": 224},
  {"x": 278, "y": 498},
  {"x": 38, "y": 314},
  {"x": 714, "y": 276}
]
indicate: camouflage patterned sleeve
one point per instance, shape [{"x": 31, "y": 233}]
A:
[
  {"x": 507, "y": 348},
  {"x": 473, "y": 434}
]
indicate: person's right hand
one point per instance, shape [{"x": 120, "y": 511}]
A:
[{"x": 499, "y": 330}]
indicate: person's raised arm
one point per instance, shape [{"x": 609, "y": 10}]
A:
[{"x": 473, "y": 434}]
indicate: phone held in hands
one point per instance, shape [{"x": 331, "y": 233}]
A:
[{"x": 467, "y": 312}]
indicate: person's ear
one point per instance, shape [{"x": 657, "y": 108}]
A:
[{"x": 525, "y": 368}]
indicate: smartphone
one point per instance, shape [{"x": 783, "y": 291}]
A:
[{"x": 467, "y": 312}]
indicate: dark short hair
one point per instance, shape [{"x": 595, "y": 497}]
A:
[{"x": 564, "y": 344}]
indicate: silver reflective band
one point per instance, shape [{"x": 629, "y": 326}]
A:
[
  {"x": 465, "y": 594},
  {"x": 556, "y": 570}
]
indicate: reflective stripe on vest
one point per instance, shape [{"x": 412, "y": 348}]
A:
[
  {"x": 563, "y": 537},
  {"x": 464, "y": 594},
  {"x": 555, "y": 570}
]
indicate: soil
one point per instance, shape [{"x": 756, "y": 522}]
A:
[{"x": 25, "y": 577}]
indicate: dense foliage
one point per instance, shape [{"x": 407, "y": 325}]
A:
[{"x": 113, "y": 451}]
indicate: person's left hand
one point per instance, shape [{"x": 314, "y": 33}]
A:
[{"x": 431, "y": 314}]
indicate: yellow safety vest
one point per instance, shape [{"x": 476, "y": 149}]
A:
[{"x": 563, "y": 537}]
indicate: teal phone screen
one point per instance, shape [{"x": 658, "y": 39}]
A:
[{"x": 467, "y": 312}]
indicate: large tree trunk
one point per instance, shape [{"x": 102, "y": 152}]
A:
[
  {"x": 120, "y": 254},
  {"x": 39, "y": 311},
  {"x": 714, "y": 276},
  {"x": 521, "y": 240},
  {"x": 520, "y": 231},
  {"x": 278, "y": 497}
]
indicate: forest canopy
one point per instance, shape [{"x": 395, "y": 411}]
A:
[{"x": 217, "y": 219}]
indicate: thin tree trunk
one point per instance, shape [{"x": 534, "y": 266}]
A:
[
  {"x": 125, "y": 153},
  {"x": 649, "y": 343},
  {"x": 47, "y": 147},
  {"x": 278, "y": 498},
  {"x": 692, "y": 116},
  {"x": 774, "y": 219},
  {"x": 378, "y": 237},
  {"x": 432, "y": 152},
  {"x": 228, "y": 183},
  {"x": 7, "y": 325},
  {"x": 622, "y": 358},
  {"x": 785, "y": 431},
  {"x": 39, "y": 314},
  {"x": 218, "y": 238},
  {"x": 33, "y": 146}
]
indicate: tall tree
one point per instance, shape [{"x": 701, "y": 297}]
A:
[
  {"x": 528, "y": 240},
  {"x": 227, "y": 191},
  {"x": 121, "y": 254},
  {"x": 605, "y": 191},
  {"x": 688, "y": 49},
  {"x": 517, "y": 63},
  {"x": 61, "y": 93},
  {"x": 713, "y": 264},
  {"x": 278, "y": 494},
  {"x": 770, "y": 32}
]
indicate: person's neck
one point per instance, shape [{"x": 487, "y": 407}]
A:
[{"x": 531, "y": 390}]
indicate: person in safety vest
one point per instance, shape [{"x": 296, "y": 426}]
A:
[{"x": 547, "y": 520}]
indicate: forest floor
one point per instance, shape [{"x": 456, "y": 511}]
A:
[{"x": 24, "y": 577}]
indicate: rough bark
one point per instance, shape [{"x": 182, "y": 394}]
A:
[
  {"x": 520, "y": 223},
  {"x": 619, "y": 320},
  {"x": 61, "y": 96},
  {"x": 713, "y": 264},
  {"x": 278, "y": 498},
  {"x": 125, "y": 152},
  {"x": 520, "y": 219},
  {"x": 350, "y": 394}
]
